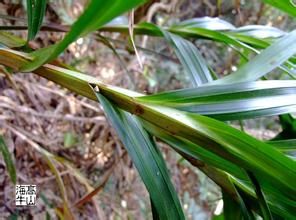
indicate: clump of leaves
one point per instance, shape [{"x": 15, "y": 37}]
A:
[{"x": 256, "y": 177}]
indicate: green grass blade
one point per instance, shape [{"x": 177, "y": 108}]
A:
[
  {"x": 214, "y": 29},
  {"x": 188, "y": 54},
  {"x": 262, "y": 202},
  {"x": 234, "y": 101},
  {"x": 210, "y": 23},
  {"x": 285, "y": 145},
  {"x": 97, "y": 13},
  {"x": 8, "y": 160},
  {"x": 269, "y": 59},
  {"x": 259, "y": 31},
  {"x": 239, "y": 38},
  {"x": 287, "y": 6},
  {"x": 191, "y": 59},
  {"x": 10, "y": 40},
  {"x": 147, "y": 159},
  {"x": 30, "y": 11},
  {"x": 257, "y": 36},
  {"x": 188, "y": 32},
  {"x": 218, "y": 36},
  {"x": 35, "y": 13},
  {"x": 66, "y": 206},
  {"x": 253, "y": 35}
]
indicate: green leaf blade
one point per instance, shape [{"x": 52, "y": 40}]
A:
[
  {"x": 269, "y": 59},
  {"x": 97, "y": 13},
  {"x": 234, "y": 101},
  {"x": 147, "y": 159},
  {"x": 210, "y": 23},
  {"x": 287, "y": 6},
  {"x": 8, "y": 160},
  {"x": 35, "y": 13},
  {"x": 191, "y": 59}
]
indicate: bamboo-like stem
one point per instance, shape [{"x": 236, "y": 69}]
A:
[{"x": 80, "y": 84}]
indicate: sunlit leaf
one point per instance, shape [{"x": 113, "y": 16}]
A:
[
  {"x": 260, "y": 31},
  {"x": 234, "y": 101},
  {"x": 210, "y": 23},
  {"x": 266, "y": 61}
]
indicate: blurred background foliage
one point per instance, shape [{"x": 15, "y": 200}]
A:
[{"x": 36, "y": 111}]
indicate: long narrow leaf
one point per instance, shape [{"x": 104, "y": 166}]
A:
[
  {"x": 97, "y": 13},
  {"x": 266, "y": 61},
  {"x": 234, "y": 101},
  {"x": 66, "y": 207},
  {"x": 288, "y": 6},
  {"x": 207, "y": 23},
  {"x": 35, "y": 14},
  {"x": 259, "y": 31},
  {"x": 285, "y": 145},
  {"x": 190, "y": 58},
  {"x": 8, "y": 160},
  {"x": 10, "y": 40},
  {"x": 147, "y": 159},
  {"x": 202, "y": 160}
]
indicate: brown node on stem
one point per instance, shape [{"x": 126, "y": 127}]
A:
[{"x": 139, "y": 110}]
